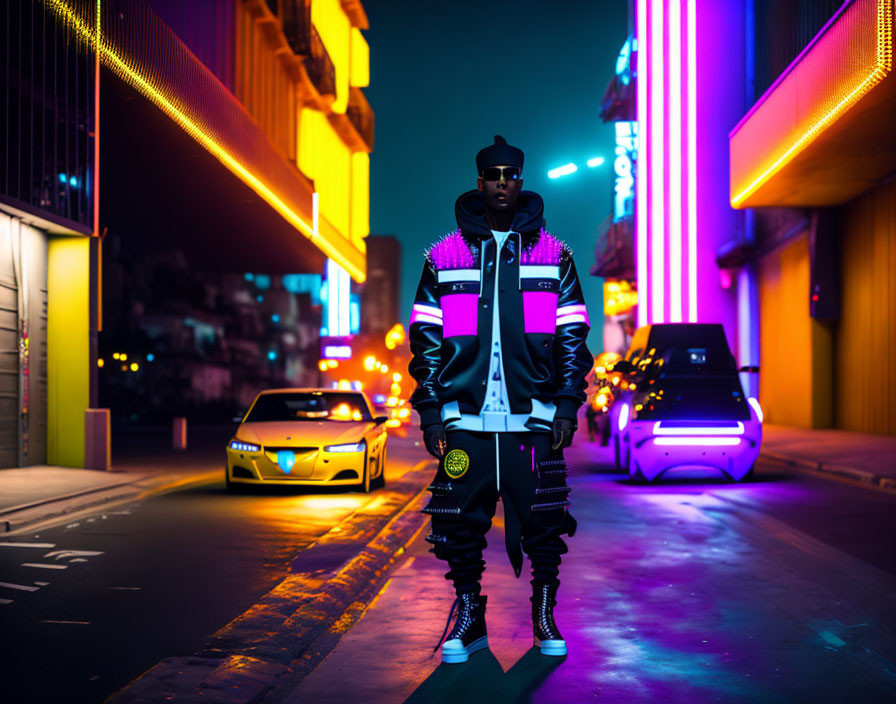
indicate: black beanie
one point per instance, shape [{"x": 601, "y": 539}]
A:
[{"x": 499, "y": 153}]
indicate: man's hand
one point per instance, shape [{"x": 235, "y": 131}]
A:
[
  {"x": 563, "y": 430},
  {"x": 435, "y": 441}
]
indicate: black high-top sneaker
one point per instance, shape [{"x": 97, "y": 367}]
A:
[
  {"x": 547, "y": 635},
  {"x": 468, "y": 634}
]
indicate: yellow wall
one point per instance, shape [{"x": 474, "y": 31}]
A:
[
  {"x": 866, "y": 332},
  {"x": 360, "y": 198},
  {"x": 325, "y": 159},
  {"x": 68, "y": 350},
  {"x": 795, "y": 364},
  {"x": 360, "y": 74}
]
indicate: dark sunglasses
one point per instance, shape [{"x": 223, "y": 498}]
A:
[{"x": 494, "y": 173}]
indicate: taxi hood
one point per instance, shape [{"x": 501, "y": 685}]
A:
[{"x": 310, "y": 433}]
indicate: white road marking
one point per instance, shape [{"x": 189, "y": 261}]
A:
[
  {"x": 61, "y": 554},
  {"x": 126, "y": 589},
  {"x": 78, "y": 559},
  {"x": 27, "y": 545},
  {"x": 78, "y": 623},
  {"x": 6, "y": 601},
  {"x": 22, "y": 587},
  {"x": 42, "y": 566},
  {"x": 43, "y": 584}
]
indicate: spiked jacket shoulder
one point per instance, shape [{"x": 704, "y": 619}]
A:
[{"x": 543, "y": 323}]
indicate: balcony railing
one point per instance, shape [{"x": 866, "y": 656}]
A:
[
  {"x": 305, "y": 41},
  {"x": 296, "y": 19},
  {"x": 614, "y": 252},
  {"x": 360, "y": 114},
  {"x": 320, "y": 66}
]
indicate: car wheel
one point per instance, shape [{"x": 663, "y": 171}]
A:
[
  {"x": 635, "y": 476},
  {"x": 365, "y": 479},
  {"x": 230, "y": 486},
  {"x": 380, "y": 481},
  {"x": 750, "y": 476}
]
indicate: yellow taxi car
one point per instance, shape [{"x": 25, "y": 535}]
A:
[{"x": 309, "y": 437}]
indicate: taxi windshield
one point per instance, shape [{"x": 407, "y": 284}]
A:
[{"x": 309, "y": 406}]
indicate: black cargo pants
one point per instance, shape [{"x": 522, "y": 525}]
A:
[{"x": 530, "y": 478}]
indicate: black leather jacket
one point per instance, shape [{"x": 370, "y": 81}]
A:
[{"x": 543, "y": 319}]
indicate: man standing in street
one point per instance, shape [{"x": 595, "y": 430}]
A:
[{"x": 497, "y": 335}]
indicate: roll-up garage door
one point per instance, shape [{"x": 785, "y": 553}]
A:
[{"x": 9, "y": 353}]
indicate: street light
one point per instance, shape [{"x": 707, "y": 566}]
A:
[{"x": 563, "y": 170}]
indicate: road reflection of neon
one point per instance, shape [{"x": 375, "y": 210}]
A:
[
  {"x": 328, "y": 503},
  {"x": 697, "y": 441}
]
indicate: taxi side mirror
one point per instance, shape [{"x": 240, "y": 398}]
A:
[{"x": 379, "y": 420}]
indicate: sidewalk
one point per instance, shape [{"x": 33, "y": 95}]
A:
[
  {"x": 143, "y": 463},
  {"x": 861, "y": 457}
]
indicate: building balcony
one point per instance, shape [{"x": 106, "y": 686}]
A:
[
  {"x": 360, "y": 114},
  {"x": 319, "y": 66},
  {"x": 296, "y": 18},
  {"x": 614, "y": 253}
]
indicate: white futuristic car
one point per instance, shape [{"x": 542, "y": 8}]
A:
[{"x": 682, "y": 406}]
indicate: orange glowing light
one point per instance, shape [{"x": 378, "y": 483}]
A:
[
  {"x": 393, "y": 423},
  {"x": 100, "y": 362},
  {"x": 811, "y": 95},
  {"x": 370, "y": 363},
  {"x": 391, "y": 401},
  {"x": 396, "y": 377},
  {"x": 322, "y": 365},
  {"x": 115, "y": 355},
  {"x": 134, "y": 366}
]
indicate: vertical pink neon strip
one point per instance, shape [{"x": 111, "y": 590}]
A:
[
  {"x": 676, "y": 174},
  {"x": 642, "y": 166},
  {"x": 657, "y": 163},
  {"x": 692, "y": 161}
]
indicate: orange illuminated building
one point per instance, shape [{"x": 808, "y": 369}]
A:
[{"x": 816, "y": 158}]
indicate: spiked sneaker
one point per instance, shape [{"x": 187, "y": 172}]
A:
[
  {"x": 547, "y": 635},
  {"x": 468, "y": 634}
]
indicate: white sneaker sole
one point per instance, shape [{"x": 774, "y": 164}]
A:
[
  {"x": 551, "y": 647},
  {"x": 453, "y": 651}
]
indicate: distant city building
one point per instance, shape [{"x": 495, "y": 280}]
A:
[{"x": 379, "y": 300}]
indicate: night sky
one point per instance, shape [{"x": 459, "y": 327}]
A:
[{"x": 447, "y": 76}]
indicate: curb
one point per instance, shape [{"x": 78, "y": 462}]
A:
[
  {"x": 840, "y": 471},
  {"x": 279, "y": 638},
  {"x": 26, "y": 517}
]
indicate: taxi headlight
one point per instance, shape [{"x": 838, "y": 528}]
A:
[
  {"x": 349, "y": 447},
  {"x": 243, "y": 446}
]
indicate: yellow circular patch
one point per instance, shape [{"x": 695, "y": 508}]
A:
[{"x": 456, "y": 463}]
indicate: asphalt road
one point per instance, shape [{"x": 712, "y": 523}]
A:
[
  {"x": 87, "y": 606},
  {"x": 780, "y": 590}
]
